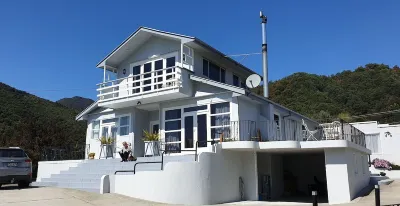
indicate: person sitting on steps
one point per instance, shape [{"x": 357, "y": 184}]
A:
[{"x": 125, "y": 152}]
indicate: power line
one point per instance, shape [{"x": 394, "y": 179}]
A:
[
  {"x": 59, "y": 90},
  {"x": 238, "y": 55}
]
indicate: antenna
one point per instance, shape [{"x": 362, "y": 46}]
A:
[{"x": 253, "y": 81}]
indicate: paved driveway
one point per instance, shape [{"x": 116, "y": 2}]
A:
[{"x": 13, "y": 196}]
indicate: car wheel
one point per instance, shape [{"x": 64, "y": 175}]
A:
[{"x": 23, "y": 184}]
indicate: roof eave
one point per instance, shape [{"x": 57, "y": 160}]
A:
[
  {"x": 87, "y": 110},
  {"x": 102, "y": 62}
]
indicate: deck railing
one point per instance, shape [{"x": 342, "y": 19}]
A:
[
  {"x": 140, "y": 84},
  {"x": 341, "y": 131},
  {"x": 247, "y": 130}
]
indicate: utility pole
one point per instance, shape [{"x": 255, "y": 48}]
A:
[{"x": 264, "y": 53}]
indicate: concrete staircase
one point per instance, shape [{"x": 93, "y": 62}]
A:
[{"x": 86, "y": 175}]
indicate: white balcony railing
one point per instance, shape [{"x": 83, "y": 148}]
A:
[{"x": 144, "y": 83}]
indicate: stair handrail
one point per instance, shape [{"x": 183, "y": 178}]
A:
[{"x": 137, "y": 163}]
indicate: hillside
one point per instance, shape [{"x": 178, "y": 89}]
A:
[
  {"x": 34, "y": 123},
  {"x": 77, "y": 103},
  {"x": 368, "y": 89}
]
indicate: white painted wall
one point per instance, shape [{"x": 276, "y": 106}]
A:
[
  {"x": 343, "y": 182},
  {"x": 47, "y": 168},
  {"x": 212, "y": 180},
  {"x": 388, "y": 146}
]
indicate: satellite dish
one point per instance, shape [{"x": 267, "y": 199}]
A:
[{"x": 253, "y": 81}]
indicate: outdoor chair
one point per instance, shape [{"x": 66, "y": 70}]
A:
[
  {"x": 309, "y": 133},
  {"x": 331, "y": 130}
]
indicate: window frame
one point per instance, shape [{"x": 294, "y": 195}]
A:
[
  {"x": 219, "y": 114},
  {"x": 220, "y": 71},
  {"x": 124, "y": 126},
  {"x": 172, "y": 131},
  {"x": 98, "y": 129},
  {"x": 117, "y": 124}
]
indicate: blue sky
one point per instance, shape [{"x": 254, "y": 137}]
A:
[{"x": 50, "y": 48}]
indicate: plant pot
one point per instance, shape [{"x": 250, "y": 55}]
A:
[
  {"x": 91, "y": 157},
  {"x": 152, "y": 148}
]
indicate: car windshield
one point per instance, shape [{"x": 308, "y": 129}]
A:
[{"x": 12, "y": 153}]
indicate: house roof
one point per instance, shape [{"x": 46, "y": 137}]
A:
[
  {"x": 144, "y": 33},
  {"x": 90, "y": 108}
]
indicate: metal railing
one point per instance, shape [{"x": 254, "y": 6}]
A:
[
  {"x": 57, "y": 154},
  {"x": 248, "y": 130},
  {"x": 139, "y": 84},
  {"x": 341, "y": 131}
]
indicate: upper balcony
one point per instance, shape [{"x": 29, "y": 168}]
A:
[{"x": 148, "y": 87}]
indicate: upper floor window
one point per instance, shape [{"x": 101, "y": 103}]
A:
[
  {"x": 236, "y": 81},
  {"x": 213, "y": 71}
]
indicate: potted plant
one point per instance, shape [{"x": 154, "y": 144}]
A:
[
  {"x": 107, "y": 142},
  {"x": 151, "y": 143},
  {"x": 91, "y": 155}
]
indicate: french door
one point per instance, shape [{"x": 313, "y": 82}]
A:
[
  {"x": 152, "y": 75},
  {"x": 195, "y": 129},
  {"x": 109, "y": 131}
]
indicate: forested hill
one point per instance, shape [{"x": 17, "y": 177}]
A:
[
  {"x": 368, "y": 89},
  {"x": 77, "y": 103},
  {"x": 34, "y": 123}
]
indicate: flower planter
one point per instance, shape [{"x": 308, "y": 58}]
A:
[{"x": 152, "y": 148}]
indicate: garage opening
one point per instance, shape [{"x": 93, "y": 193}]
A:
[{"x": 291, "y": 177}]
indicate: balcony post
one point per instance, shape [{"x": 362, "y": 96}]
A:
[{"x": 104, "y": 72}]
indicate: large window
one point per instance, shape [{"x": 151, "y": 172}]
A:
[
  {"x": 220, "y": 120},
  {"x": 124, "y": 126},
  {"x": 173, "y": 130},
  {"x": 213, "y": 71},
  {"x": 95, "y": 129},
  {"x": 110, "y": 127}
]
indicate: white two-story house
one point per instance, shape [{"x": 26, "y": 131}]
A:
[
  {"x": 191, "y": 93},
  {"x": 186, "y": 90}
]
